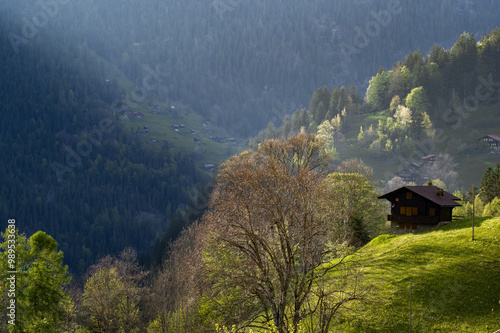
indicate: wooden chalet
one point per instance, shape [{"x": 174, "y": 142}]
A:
[
  {"x": 410, "y": 174},
  {"x": 416, "y": 208},
  {"x": 491, "y": 140},
  {"x": 429, "y": 159}
]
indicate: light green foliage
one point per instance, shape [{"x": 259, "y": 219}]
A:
[
  {"x": 400, "y": 82},
  {"x": 417, "y": 100},
  {"x": 454, "y": 281},
  {"x": 271, "y": 328},
  {"x": 439, "y": 183},
  {"x": 375, "y": 94},
  {"x": 112, "y": 294},
  {"x": 327, "y": 131},
  {"x": 403, "y": 116},
  {"x": 313, "y": 127},
  {"x": 359, "y": 212},
  {"x": 492, "y": 208},
  {"x": 41, "y": 300},
  {"x": 495, "y": 207},
  {"x": 465, "y": 211},
  {"x": 361, "y": 135}
]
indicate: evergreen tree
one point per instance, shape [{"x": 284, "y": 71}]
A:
[
  {"x": 321, "y": 95},
  {"x": 286, "y": 127},
  {"x": 463, "y": 64},
  {"x": 333, "y": 103},
  {"x": 490, "y": 184},
  {"x": 438, "y": 56},
  {"x": 344, "y": 99},
  {"x": 295, "y": 124},
  {"x": 354, "y": 94},
  {"x": 41, "y": 300},
  {"x": 320, "y": 113}
]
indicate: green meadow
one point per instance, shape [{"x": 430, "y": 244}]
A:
[{"x": 454, "y": 280}]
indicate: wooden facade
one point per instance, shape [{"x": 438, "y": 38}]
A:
[
  {"x": 492, "y": 141},
  {"x": 419, "y": 207}
]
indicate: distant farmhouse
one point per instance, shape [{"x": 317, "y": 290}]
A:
[
  {"x": 410, "y": 174},
  {"x": 429, "y": 159},
  {"x": 415, "y": 172},
  {"x": 209, "y": 167},
  {"x": 492, "y": 141},
  {"x": 415, "y": 208}
]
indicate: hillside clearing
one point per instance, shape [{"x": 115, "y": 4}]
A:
[{"x": 455, "y": 281}]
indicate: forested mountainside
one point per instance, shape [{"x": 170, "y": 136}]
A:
[
  {"x": 243, "y": 63},
  {"x": 68, "y": 165},
  {"x": 70, "y": 168},
  {"x": 440, "y": 102}
]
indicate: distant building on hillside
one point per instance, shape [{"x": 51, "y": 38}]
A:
[
  {"x": 410, "y": 174},
  {"x": 209, "y": 167},
  {"x": 415, "y": 208},
  {"x": 429, "y": 159},
  {"x": 492, "y": 141}
]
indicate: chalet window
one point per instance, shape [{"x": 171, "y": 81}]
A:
[
  {"x": 408, "y": 211},
  {"x": 408, "y": 195},
  {"x": 432, "y": 212}
]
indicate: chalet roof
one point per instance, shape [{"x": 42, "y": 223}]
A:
[
  {"x": 428, "y": 157},
  {"x": 430, "y": 193},
  {"x": 494, "y": 137}
]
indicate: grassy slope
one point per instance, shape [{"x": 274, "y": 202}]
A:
[
  {"x": 160, "y": 129},
  {"x": 456, "y": 281}
]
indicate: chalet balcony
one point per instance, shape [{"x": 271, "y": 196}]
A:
[{"x": 413, "y": 219}]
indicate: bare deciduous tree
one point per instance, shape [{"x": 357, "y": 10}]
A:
[
  {"x": 270, "y": 235},
  {"x": 177, "y": 288},
  {"x": 355, "y": 165}
]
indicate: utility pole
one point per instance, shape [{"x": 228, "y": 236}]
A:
[
  {"x": 473, "y": 208},
  {"x": 409, "y": 329}
]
